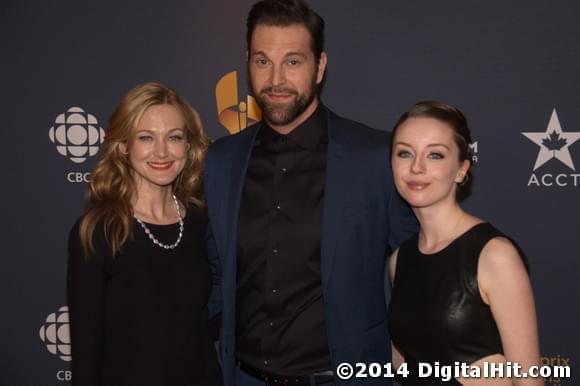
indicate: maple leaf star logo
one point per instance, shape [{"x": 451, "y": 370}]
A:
[{"x": 554, "y": 143}]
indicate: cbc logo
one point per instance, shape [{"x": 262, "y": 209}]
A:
[
  {"x": 55, "y": 334},
  {"x": 64, "y": 375},
  {"x": 76, "y": 134},
  {"x": 78, "y": 177}
]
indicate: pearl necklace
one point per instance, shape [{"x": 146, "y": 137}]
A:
[{"x": 154, "y": 239}]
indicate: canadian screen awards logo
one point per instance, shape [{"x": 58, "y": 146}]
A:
[
  {"x": 235, "y": 115},
  {"x": 554, "y": 145},
  {"x": 55, "y": 334},
  {"x": 77, "y": 136}
]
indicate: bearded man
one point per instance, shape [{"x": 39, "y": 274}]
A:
[{"x": 302, "y": 212}]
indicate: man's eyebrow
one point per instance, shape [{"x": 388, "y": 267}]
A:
[
  {"x": 295, "y": 54},
  {"x": 258, "y": 53},
  {"x": 292, "y": 53}
]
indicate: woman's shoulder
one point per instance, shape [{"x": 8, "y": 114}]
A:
[
  {"x": 496, "y": 245},
  {"x": 74, "y": 237},
  {"x": 501, "y": 265},
  {"x": 478, "y": 234},
  {"x": 500, "y": 252},
  {"x": 500, "y": 255},
  {"x": 97, "y": 238}
]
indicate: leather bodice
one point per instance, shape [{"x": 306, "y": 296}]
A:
[{"x": 436, "y": 311}]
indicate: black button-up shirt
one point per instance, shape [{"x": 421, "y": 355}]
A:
[{"x": 281, "y": 324}]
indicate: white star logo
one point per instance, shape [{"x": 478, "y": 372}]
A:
[{"x": 553, "y": 143}]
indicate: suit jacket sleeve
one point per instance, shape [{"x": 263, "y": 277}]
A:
[{"x": 215, "y": 301}]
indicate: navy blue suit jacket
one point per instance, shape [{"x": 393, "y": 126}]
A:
[{"x": 363, "y": 218}]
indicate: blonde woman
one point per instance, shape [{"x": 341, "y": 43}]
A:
[
  {"x": 461, "y": 292},
  {"x": 138, "y": 277}
]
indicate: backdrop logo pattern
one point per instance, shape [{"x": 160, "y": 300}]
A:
[
  {"x": 76, "y": 134},
  {"x": 474, "y": 149},
  {"x": 554, "y": 144},
  {"x": 55, "y": 333},
  {"x": 556, "y": 360},
  {"x": 233, "y": 114}
]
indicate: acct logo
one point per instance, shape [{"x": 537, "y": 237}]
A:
[
  {"x": 233, "y": 114},
  {"x": 76, "y": 134},
  {"x": 554, "y": 144},
  {"x": 55, "y": 334}
]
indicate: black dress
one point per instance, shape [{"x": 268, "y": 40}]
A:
[
  {"x": 436, "y": 312},
  {"x": 140, "y": 318}
]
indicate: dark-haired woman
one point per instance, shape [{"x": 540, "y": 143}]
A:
[
  {"x": 138, "y": 277},
  {"x": 461, "y": 291}
]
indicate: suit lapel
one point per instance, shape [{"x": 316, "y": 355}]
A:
[{"x": 333, "y": 198}]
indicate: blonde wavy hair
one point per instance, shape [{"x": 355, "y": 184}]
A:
[{"x": 112, "y": 188}]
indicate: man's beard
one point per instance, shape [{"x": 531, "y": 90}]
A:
[{"x": 280, "y": 114}]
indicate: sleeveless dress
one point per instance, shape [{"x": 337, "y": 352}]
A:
[{"x": 436, "y": 313}]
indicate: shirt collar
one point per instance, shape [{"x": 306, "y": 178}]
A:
[{"x": 307, "y": 135}]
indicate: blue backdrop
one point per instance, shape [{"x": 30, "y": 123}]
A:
[{"x": 512, "y": 67}]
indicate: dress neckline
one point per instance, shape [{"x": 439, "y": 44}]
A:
[
  {"x": 163, "y": 226},
  {"x": 448, "y": 246}
]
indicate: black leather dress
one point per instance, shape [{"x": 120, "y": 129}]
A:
[{"x": 436, "y": 312}]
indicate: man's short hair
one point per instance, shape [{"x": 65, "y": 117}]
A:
[{"x": 284, "y": 13}]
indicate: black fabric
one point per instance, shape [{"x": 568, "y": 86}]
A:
[
  {"x": 140, "y": 318},
  {"x": 279, "y": 379},
  {"x": 436, "y": 311},
  {"x": 280, "y": 310}
]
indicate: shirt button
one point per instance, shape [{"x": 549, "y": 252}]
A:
[
  {"x": 271, "y": 324},
  {"x": 274, "y": 291},
  {"x": 284, "y": 169},
  {"x": 266, "y": 363},
  {"x": 278, "y": 207},
  {"x": 274, "y": 251}
]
